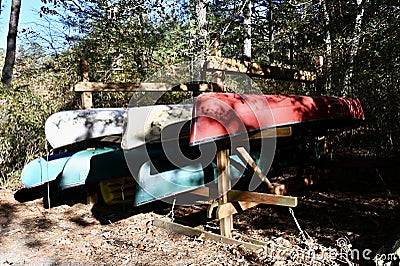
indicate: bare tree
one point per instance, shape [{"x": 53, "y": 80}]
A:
[{"x": 11, "y": 43}]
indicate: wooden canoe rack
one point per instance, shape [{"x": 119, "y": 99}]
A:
[
  {"x": 231, "y": 201},
  {"x": 218, "y": 66}
]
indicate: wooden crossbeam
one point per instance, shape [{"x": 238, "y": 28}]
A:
[
  {"x": 126, "y": 86},
  {"x": 278, "y": 132},
  {"x": 262, "y": 198},
  {"x": 243, "y": 200},
  {"x": 228, "y": 209},
  {"x": 201, "y": 191},
  {"x": 247, "y": 158},
  {"x": 258, "y": 70},
  {"x": 250, "y": 243}
]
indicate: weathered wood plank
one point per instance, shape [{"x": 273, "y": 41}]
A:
[
  {"x": 86, "y": 97},
  {"x": 247, "y": 158},
  {"x": 278, "y": 132},
  {"x": 258, "y": 70},
  {"x": 228, "y": 209},
  {"x": 189, "y": 231},
  {"x": 114, "y": 87},
  {"x": 87, "y": 100},
  {"x": 201, "y": 191},
  {"x": 262, "y": 198},
  {"x": 224, "y": 185}
]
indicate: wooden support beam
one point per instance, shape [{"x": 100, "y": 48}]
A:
[
  {"x": 201, "y": 191},
  {"x": 245, "y": 156},
  {"x": 224, "y": 185},
  {"x": 230, "y": 208},
  {"x": 262, "y": 198},
  {"x": 86, "y": 97},
  {"x": 258, "y": 70},
  {"x": 218, "y": 78},
  {"x": 243, "y": 200},
  {"x": 87, "y": 100},
  {"x": 113, "y": 87},
  {"x": 278, "y": 132},
  {"x": 250, "y": 243}
]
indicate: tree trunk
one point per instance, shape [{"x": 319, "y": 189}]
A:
[
  {"x": 328, "y": 47},
  {"x": 247, "y": 31},
  {"x": 271, "y": 32},
  {"x": 11, "y": 44},
  {"x": 354, "y": 43},
  {"x": 201, "y": 11}
]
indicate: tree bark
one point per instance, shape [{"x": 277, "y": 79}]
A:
[
  {"x": 328, "y": 46},
  {"x": 201, "y": 11},
  {"x": 201, "y": 17},
  {"x": 354, "y": 43},
  {"x": 11, "y": 44},
  {"x": 271, "y": 31},
  {"x": 247, "y": 12}
]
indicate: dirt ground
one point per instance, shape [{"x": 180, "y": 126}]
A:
[{"x": 356, "y": 206}]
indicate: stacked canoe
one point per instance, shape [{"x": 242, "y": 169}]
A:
[{"x": 159, "y": 148}]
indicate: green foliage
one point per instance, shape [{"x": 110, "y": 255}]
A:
[
  {"x": 40, "y": 88},
  {"x": 128, "y": 41},
  {"x": 21, "y": 129}
]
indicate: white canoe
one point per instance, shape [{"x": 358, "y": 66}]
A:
[
  {"x": 151, "y": 124},
  {"x": 68, "y": 127}
]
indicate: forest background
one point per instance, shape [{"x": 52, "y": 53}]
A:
[{"x": 128, "y": 41}]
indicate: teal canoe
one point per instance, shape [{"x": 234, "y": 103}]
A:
[
  {"x": 156, "y": 178},
  {"x": 76, "y": 168},
  {"x": 172, "y": 181},
  {"x": 83, "y": 164},
  {"x": 44, "y": 169}
]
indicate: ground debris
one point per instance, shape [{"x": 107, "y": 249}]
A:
[{"x": 93, "y": 235}]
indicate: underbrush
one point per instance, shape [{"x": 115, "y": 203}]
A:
[
  {"x": 22, "y": 118},
  {"x": 23, "y": 113}
]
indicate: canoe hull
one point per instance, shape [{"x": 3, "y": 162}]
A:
[
  {"x": 69, "y": 127},
  {"x": 43, "y": 170},
  {"x": 222, "y": 115},
  {"x": 88, "y": 166},
  {"x": 156, "y": 123}
]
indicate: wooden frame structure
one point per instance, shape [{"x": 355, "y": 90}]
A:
[
  {"x": 216, "y": 65},
  {"x": 229, "y": 201}
]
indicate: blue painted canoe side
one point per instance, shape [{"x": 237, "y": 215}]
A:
[
  {"x": 41, "y": 171},
  {"x": 79, "y": 165}
]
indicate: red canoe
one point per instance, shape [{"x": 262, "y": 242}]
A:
[{"x": 219, "y": 115}]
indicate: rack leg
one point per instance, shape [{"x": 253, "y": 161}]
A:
[{"x": 224, "y": 185}]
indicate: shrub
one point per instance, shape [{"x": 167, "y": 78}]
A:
[{"x": 22, "y": 118}]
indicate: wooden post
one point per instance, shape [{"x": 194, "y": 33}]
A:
[
  {"x": 215, "y": 47},
  {"x": 86, "y": 97},
  {"x": 224, "y": 185}
]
